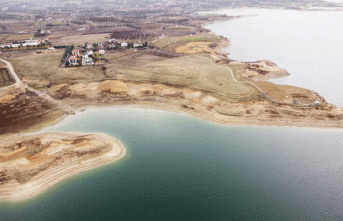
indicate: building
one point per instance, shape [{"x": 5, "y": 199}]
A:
[
  {"x": 87, "y": 61},
  {"x": 31, "y": 42},
  {"x": 90, "y": 53},
  {"x": 72, "y": 61},
  {"x": 136, "y": 45},
  {"x": 85, "y": 55},
  {"x": 101, "y": 52},
  {"x": 317, "y": 103},
  {"x": 124, "y": 45},
  {"x": 75, "y": 52},
  {"x": 89, "y": 46}
]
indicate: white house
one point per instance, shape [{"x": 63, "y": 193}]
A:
[
  {"x": 86, "y": 61},
  {"x": 90, "y": 52},
  {"x": 85, "y": 55},
  {"x": 112, "y": 40},
  {"x": 136, "y": 45},
  {"x": 31, "y": 42},
  {"x": 124, "y": 44},
  {"x": 101, "y": 52},
  {"x": 15, "y": 45},
  {"x": 317, "y": 103}
]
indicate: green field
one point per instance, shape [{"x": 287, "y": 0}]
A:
[
  {"x": 214, "y": 38},
  {"x": 175, "y": 28},
  {"x": 42, "y": 23},
  {"x": 18, "y": 37}
]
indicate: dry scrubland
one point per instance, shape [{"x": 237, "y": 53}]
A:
[
  {"x": 195, "y": 72},
  {"x": 185, "y": 74},
  {"x": 195, "y": 69}
]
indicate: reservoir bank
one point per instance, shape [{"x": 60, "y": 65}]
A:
[{"x": 180, "y": 167}]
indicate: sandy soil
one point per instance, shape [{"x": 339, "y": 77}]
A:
[
  {"x": 203, "y": 105},
  {"x": 32, "y": 163}
]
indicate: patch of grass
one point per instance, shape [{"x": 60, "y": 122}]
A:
[
  {"x": 57, "y": 23},
  {"x": 214, "y": 38},
  {"x": 40, "y": 23},
  {"x": 3, "y": 37},
  {"x": 19, "y": 37},
  {"x": 191, "y": 72},
  {"x": 46, "y": 67},
  {"x": 92, "y": 23},
  {"x": 175, "y": 28}
]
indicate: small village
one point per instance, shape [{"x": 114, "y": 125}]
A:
[
  {"x": 86, "y": 54},
  {"x": 91, "y": 52}
]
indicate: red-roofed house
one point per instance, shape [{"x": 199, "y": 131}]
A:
[
  {"x": 73, "y": 61},
  {"x": 75, "y": 52}
]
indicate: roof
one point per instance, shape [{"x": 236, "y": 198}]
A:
[
  {"x": 87, "y": 59},
  {"x": 72, "y": 58}
]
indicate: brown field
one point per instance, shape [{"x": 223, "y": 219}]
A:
[
  {"x": 81, "y": 39},
  {"x": 5, "y": 78},
  {"x": 129, "y": 35}
]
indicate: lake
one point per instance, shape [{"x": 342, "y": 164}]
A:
[
  {"x": 183, "y": 168},
  {"x": 308, "y": 44}
]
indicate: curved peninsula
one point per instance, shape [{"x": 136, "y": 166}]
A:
[{"x": 30, "y": 164}]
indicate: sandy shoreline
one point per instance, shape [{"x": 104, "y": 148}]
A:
[{"x": 61, "y": 169}]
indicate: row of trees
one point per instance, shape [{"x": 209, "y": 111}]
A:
[
  {"x": 41, "y": 45},
  {"x": 67, "y": 52}
]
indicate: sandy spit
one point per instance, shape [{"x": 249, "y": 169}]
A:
[{"x": 15, "y": 191}]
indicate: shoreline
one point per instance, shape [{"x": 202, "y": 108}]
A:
[
  {"x": 207, "y": 116},
  {"x": 13, "y": 191},
  {"x": 50, "y": 177}
]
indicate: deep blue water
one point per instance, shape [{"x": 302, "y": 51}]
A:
[{"x": 182, "y": 168}]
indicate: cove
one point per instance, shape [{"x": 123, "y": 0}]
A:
[
  {"x": 305, "y": 43},
  {"x": 181, "y": 168}
]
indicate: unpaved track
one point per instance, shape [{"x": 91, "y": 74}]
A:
[
  {"x": 11, "y": 72},
  {"x": 61, "y": 105}
]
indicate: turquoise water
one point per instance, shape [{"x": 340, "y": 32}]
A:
[
  {"x": 308, "y": 44},
  {"x": 182, "y": 168}
]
